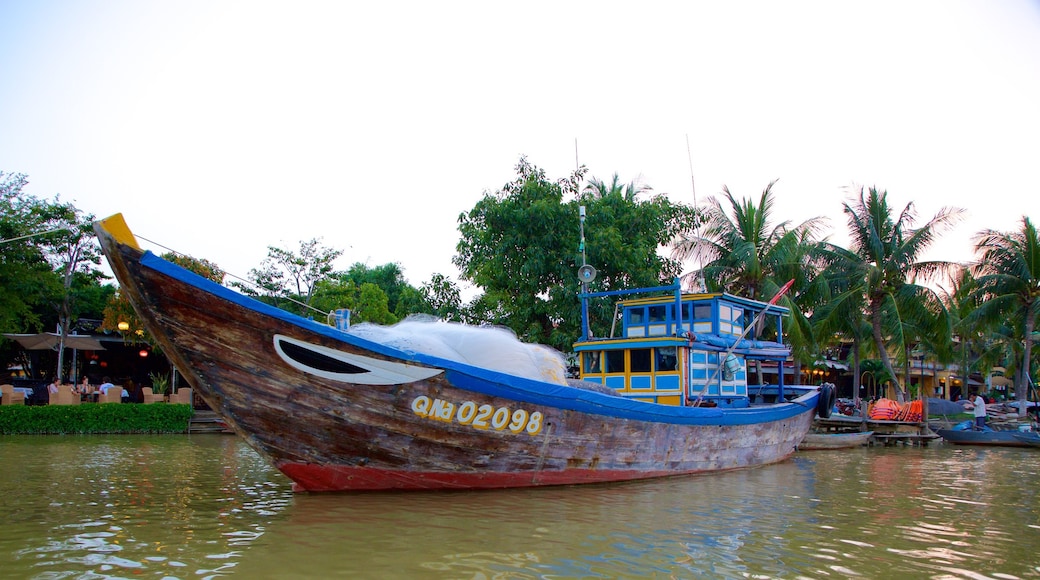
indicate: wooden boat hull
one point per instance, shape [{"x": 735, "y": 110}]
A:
[
  {"x": 821, "y": 441},
  {"x": 990, "y": 438},
  {"x": 334, "y": 412}
]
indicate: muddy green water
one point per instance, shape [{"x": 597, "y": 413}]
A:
[{"x": 207, "y": 506}]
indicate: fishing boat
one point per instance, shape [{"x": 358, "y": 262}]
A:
[
  {"x": 821, "y": 441},
  {"x": 362, "y": 407},
  {"x": 1029, "y": 439},
  {"x": 964, "y": 434}
]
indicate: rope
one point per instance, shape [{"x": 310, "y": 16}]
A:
[
  {"x": 34, "y": 235},
  {"x": 239, "y": 278}
]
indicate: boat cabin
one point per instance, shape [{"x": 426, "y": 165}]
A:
[{"x": 682, "y": 349}]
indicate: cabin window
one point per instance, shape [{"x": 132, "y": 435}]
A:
[
  {"x": 640, "y": 360},
  {"x": 657, "y": 313},
  {"x": 701, "y": 321},
  {"x": 592, "y": 362},
  {"x": 731, "y": 319},
  {"x": 636, "y": 315},
  {"x": 615, "y": 361},
  {"x": 666, "y": 359}
]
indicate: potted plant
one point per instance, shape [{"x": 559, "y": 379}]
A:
[{"x": 160, "y": 384}]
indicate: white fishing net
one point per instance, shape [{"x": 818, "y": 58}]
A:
[{"x": 493, "y": 348}]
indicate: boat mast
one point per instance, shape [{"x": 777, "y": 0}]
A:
[
  {"x": 586, "y": 274},
  {"x": 699, "y": 285}
]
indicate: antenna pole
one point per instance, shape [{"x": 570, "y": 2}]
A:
[
  {"x": 701, "y": 286},
  {"x": 689, "y": 157},
  {"x": 584, "y": 285}
]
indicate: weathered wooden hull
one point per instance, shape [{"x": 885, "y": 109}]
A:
[
  {"x": 821, "y": 441},
  {"x": 990, "y": 438},
  {"x": 455, "y": 427}
]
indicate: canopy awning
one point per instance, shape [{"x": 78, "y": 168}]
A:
[{"x": 50, "y": 340}]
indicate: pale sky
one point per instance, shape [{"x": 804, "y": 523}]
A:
[{"x": 219, "y": 128}]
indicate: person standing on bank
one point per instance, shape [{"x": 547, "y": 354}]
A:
[{"x": 979, "y": 409}]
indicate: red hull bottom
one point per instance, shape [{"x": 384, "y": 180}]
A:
[{"x": 310, "y": 477}]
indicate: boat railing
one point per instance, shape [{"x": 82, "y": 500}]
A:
[{"x": 585, "y": 296}]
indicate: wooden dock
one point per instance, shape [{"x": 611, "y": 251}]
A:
[
  {"x": 885, "y": 432},
  {"x": 206, "y": 421}
]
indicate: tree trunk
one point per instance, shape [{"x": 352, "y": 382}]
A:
[
  {"x": 1022, "y": 386},
  {"x": 964, "y": 369},
  {"x": 65, "y": 309},
  {"x": 879, "y": 342},
  {"x": 855, "y": 371}
]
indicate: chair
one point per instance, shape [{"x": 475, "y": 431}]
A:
[
  {"x": 183, "y": 396},
  {"x": 114, "y": 395},
  {"x": 11, "y": 396},
  {"x": 150, "y": 397},
  {"x": 64, "y": 396}
]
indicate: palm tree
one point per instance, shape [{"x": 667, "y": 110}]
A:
[
  {"x": 841, "y": 314},
  {"x": 962, "y": 301},
  {"x": 627, "y": 191},
  {"x": 744, "y": 254},
  {"x": 1008, "y": 275},
  {"x": 883, "y": 267}
]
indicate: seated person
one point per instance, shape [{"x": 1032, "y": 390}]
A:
[
  {"x": 52, "y": 388},
  {"x": 106, "y": 383}
]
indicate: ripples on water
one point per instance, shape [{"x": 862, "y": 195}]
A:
[
  {"x": 125, "y": 506},
  {"x": 207, "y": 506}
]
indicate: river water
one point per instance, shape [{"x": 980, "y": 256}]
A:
[{"x": 207, "y": 506}]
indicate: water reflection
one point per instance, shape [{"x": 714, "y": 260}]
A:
[
  {"x": 667, "y": 527},
  {"x": 127, "y": 505},
  {"x": 208, "y": 506}
]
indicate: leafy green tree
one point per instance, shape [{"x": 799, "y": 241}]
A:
[
  {"x": 373, "y": 305},
  {"x": 345, "y": 290},
  {"x": 443, "y": 298},
  {"x": 411, "y": 301},
  {"x": 520, "y": 245},
  {"x": 389, "y": 277},
  {"x": 334, "y": 293},
  {"x": 883, "y": 267},
  {"x": 26, "y": 277},
  {"x": 49, "y": 258},
  {"x": 289, "y": 278},
  {"x": 1008, "y": 276},
  {"x": 74, "y": 255}
]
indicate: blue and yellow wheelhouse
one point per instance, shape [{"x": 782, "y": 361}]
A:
[{"x": 683, "y": 349}]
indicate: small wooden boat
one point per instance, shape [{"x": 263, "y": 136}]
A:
[
  {"x": 364, "y": 409},
  {"x": 819, "y": 441},
  {"x": 990, "y": 437}
]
